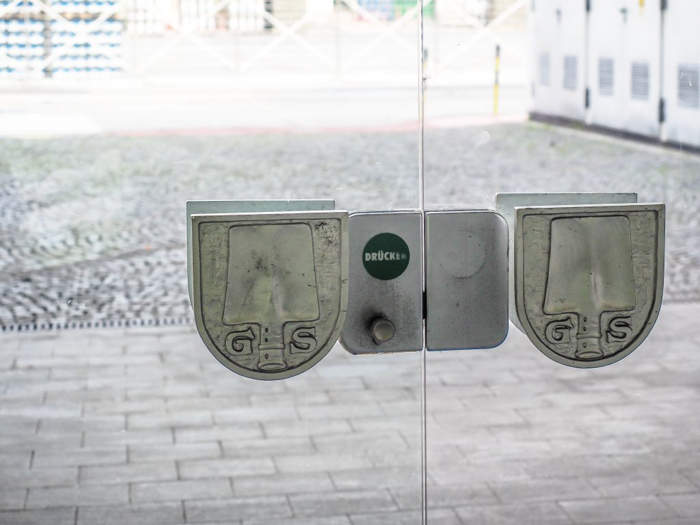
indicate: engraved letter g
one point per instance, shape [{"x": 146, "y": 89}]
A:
[
  {"x": 240, "y": 343},
  {"x": 559, "y": 332}
]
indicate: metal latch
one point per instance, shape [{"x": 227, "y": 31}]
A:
[
  {"x": 467, "y": 280},
  {"x": 385, "y": 299},
  {"x": 274, "y": 284},
  {"x": 466, "y": 287}
]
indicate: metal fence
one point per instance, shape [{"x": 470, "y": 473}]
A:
[{"x": 79, "y": 39}]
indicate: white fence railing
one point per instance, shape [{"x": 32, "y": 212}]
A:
[{"x": 76, "y": 38}]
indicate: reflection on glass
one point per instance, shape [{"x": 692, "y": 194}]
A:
[
  {"x": 590, "y": 100},
  {"x": 114, "y": 114}
]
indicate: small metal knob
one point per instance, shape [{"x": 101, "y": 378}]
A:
[{"x": 382, "y": 330}]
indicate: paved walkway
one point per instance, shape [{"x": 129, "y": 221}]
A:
[{"x": 144, "y": 426}]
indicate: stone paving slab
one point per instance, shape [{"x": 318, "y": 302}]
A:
[
  {"x": 619, "y": 509},
  {"x": 332, "y": 520},
  {"x": 261, "y": 507},
  {"x": 128, "y": 473},
  {"x": 54, "y": 516},
  {"x": 77, "y": 495},
  {"x": 144, "y": 514}
]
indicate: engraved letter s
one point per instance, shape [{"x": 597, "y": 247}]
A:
[
  {"x": 619, "y": 329},
  {"x": 304, "y": 339}
]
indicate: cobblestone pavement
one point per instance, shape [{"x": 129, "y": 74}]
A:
[
  {"x": 143, "y": 426},
  {"x": 92, "y": 229}
]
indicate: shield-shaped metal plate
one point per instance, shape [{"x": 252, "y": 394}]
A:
[
  {"x": 270, "y": 289},
  {"x": 589, "y": 279}
]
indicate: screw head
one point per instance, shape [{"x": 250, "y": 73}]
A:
[{"x": 382, "y": 330}]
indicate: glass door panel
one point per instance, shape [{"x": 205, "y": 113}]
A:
[
  {"x": 515, "y": 437},
  {"x": 112, "y": 410}
]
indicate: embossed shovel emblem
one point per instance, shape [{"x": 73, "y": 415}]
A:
[
  {"x": 269, "y": 289},
  {"x": 589, "y": 279}
]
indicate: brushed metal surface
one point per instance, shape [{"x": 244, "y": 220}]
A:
[
  {"x": 245, "y": 206},
  {"x": 507, "y": 202},
  {"x": 270, "y": 289},
  {"x": 397, "y": 300},
  {"x": 466, "y": 279},
  {"x": 589, "y": 279}
]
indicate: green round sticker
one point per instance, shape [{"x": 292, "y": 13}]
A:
[{"x": 386, "y": 256}]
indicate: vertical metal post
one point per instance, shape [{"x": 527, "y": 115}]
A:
[
  {"x": 337, "y": 7},
  {"x": 237, "y": 34},
  {"x": 421, "y": 107},
  {"x": 663, "y": 127},
  {"x": 269, "y": 8},
  {"x": 48, "y": 39},
  {"x": 27, "y": 62},
  {"x": 421, "y": 205},
  {"x": 436, "y": 37},
  {"x": 588, "y": 114},
  {"x": 496, "y": 81}
]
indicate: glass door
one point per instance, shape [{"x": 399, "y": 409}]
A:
[
  {"x": 514, "y": 436},
  {"x": 112, "y": 410},
  {"x": 114, "y": 114}
]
